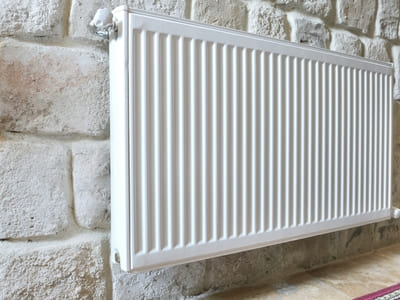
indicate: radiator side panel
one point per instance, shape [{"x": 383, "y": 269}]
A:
[{"x": 119, "y": 140}]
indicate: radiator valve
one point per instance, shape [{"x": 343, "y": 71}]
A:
[
  {"x": 395, "y": 212},
  {"x": 102, "y": 23}
]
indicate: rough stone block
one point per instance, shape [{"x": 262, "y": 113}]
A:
[
  {"x": 386, "y": 233},
  {"x": 91, "y": 180},
  {"x": 75, "y": 268},
  {"x": 176, "y": 8},
  {"x": 37, "y": 18},
  {"x": 396, "y": 176},
  {"x": 376, "y": 49},
  {"x": 53, "y": 90},
  {"x": 346, "y": 42},
  {"x": 396, "y": 124},
  {"x": 387, "y": 19},
  {"x": 354, "y": 241},
  {"x": 241, "y": 268},
  {"x": 261, "y": 265},
  {"x": 287, "y": 4},
  {"x": 166, "y": 283},
  {"x": 307, "y": 253},
  {"x": 396, "y": 61},
  {"x": 82, "y": 12},
  {"x": 229, "y": 13},
  {"x": 268, "y": 21},
  {"x": 356, "y": 14},
  {"x": 321, "y": 8},
  {"x": 307, "y": 30},
  {"x": 35, "y": 189}
]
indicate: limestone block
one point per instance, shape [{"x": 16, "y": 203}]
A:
[
  {"x": 346, "y": 42},
  {"x": 396, "y": 124},
  {"x": 229, "y": 13},
  {"x": 396, "y": 176},
  {"x": 310, "y": 31},
  {"x": 53, "y": 90},
  {"x": 396, "y": 61},
  {"x": 387, "y": 19},
  {"x": 354, "y": 241},
  {"x": 376, "y": 49},
  {"x": 166, "y": 283},
  {"x": 240, "y": 268},
  {"x": 261, "y": 265},
  {"x": 287, "y": 4},
  {"x": 268, "y": 21},
  {"x": 356, "y": 14},
  {"x": 35, "y": 189},
  {"x": 91, "y": 180},
  {"x": 320, "y": 8},
  {"x": 386, "y": 233},
  {"x": 176, "y": 8},
  {"x": 37, "y": 18},
  {"x": 75, "y": 268}
]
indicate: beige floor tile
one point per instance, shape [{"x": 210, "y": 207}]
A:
[
  {"x": 344, "y": 280},
  {"x": 304, "y": 286},
  {"x": 361, "y": 275},
  {"x": 247, "y": 293},
  {"x": 392, "y": 252},
  {"x": 297, "y": 287}
]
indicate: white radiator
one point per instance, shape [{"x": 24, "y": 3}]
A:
[{"x": 223, "y": 141}]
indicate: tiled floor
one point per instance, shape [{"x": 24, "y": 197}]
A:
[{"x": 343, "y": 280}]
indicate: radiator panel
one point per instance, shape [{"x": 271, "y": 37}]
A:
[{"x": 238, "y": 142}]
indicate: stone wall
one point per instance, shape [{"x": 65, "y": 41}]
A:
[{"x": 54, "y": 145}]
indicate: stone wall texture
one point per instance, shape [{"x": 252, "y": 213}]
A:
[{"x": 54, "y": 146}]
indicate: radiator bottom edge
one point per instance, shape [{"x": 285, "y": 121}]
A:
[{"x": 190, "y": 253}]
